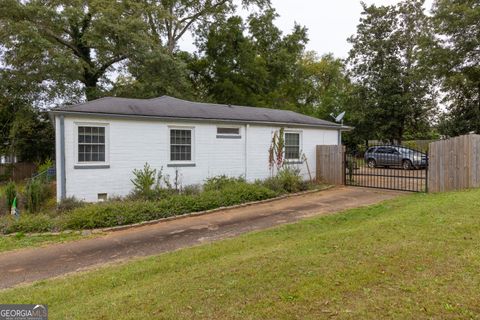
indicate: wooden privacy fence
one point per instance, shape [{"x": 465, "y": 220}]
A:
[
  {"x": 330, "y": 164},
  {"x": 454, "y": 164},
  {"x": 17, "y": 171}
]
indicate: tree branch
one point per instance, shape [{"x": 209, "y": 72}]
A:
[{"x": 107, "y": 64}]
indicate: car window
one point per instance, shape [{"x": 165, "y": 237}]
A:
[{"x": 381, "y": 150}]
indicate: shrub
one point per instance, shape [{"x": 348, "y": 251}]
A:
[
  {"x": 27, "y": 223},
  {"x": 10, "y": 194},
  {"x": 144, "y": 181},
  {"x": 37, "y": 191},
  {"x": 291, "y": 179},
  {"x": 220, "y": 182},
  {"x": 193, "y": 189},
  {"x": 45, "y": 165},
  {"x": 287, "y": 180},
  {"x": 125, "y": 212},
  {"x": 69, "y": 204}
]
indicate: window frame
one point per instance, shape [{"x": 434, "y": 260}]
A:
[
  {"x": 228, "y": 135},
  {"x": 86, "y": 164},
  {"x": 186, "y": 163},
  {"x": 300, "y": 143}
]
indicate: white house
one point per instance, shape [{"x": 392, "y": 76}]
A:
[{"x": 99, "y": 143}]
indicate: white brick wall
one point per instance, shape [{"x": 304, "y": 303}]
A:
[{"x": 134, "y": 142}]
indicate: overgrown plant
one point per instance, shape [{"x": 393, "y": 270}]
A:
[
  {"x": 33, "y": 195},
  {"x": 276, "y": 151},
  {"x": 10, "y": 194},
  {"x": 144, "y": 181}
]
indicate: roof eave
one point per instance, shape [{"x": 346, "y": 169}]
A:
[{"x": 100, "y": 114}]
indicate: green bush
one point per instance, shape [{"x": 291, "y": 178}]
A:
[
  {"x": 37, "y": 192},
  {"x": 126, "y": 212},
  {"x": 220, "y": 192},
  {"x": 10, "y": 194},
  {"x": 287, "y": 180},
  {"x": 193, "y": 189},
  {"x": 69, "y": 204},
  {"x": 28, "y": 223},
  {"x": 220, "y": 182},
  {"x": 144, "y": 181}
]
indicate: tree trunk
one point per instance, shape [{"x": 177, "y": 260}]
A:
[{"x": 91, "y": 86}]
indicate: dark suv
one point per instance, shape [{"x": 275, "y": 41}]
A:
[{"x": 395, "y": 156}]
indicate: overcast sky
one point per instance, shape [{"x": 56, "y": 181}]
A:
[{"x": 329, "y": 22}]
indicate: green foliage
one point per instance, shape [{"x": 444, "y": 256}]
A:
[
  {"x": 125, "y": 212},
  {"x": 45, "y": 165},
  {"x": 10, "y": 194},
  {"x": 287, "y": 180},
  {"x": 220, "y": 182},
  {"x": 154, "y": 74},
  {"x": 249, "y": 62},
  {"x": 458, "y": 64},
  {"x": 68, "y": 204},
  {"x": 325, "y": 86},
  {"x": 37, "y": 192},
  {"x": 390, "y": 66},
  {"x": 70, "y": 41},
  {"x": 26, "y": 132},
  {"x": 144, "y": 181},
  {"x": 27, "y": 223}
]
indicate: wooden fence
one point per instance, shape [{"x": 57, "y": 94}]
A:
[
  {"x": 17, "y": 171},
  {"x": 454, "y": 164},
  {"x": 330, "y": 164}
]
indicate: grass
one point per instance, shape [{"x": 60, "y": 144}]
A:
[
  {"x": 20, "y": 240},
  {"x": 416, "y": 257}
]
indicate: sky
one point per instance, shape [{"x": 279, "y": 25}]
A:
[{"x": 329, "y": 22}]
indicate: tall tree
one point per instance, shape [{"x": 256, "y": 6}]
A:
[
  {"x": 325, "y": 86},
  {"x": 388, "y": 62},
  {"x": 458, "y": 62},
  {"x": 24, "y": 131},
  {"x": 250, "y": 63},
  {"x": 61, "y": 44},
  {"x": 170, "y": 20}
]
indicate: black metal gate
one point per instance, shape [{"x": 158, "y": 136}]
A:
[{"x": 392, "y": 167}]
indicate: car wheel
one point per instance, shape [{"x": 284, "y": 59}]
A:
[
  {"x": 407, "y": 164},
  {"x": 371, "y": 163}
]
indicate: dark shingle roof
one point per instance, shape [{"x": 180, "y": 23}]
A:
[{"x": 169, "y": 107}]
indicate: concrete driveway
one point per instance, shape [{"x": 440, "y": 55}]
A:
[{"x": 29, "y": 265}]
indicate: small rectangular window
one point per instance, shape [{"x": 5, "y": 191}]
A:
[
  {"x": 180, "y": 145},
  {"x": 102, "y": 197},
  {"x": 292, "y": 146},
  {"x": 91, "y": 144},
  {"x": 226, "y": 130}
]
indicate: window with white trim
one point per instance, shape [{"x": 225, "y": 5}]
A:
[
  {"x": 180, "y": 144},
  {"x": 292, "y": 145},
  {"x": 91, "y": 144}
]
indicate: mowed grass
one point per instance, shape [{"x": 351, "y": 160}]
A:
[
  {"x": 416, "y": 257},
  {"x": 21, "y": 240}
]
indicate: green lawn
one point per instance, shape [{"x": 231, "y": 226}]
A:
[
  {"x": 21, "y": 240},
  {"x": 416, "y": 257}
]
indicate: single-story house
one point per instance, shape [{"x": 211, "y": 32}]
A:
[{"x": 99, "y": 143}]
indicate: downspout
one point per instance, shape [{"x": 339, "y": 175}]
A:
[
  {"x": 246, "y": 151},
  {"x": 63, "y": 180}
]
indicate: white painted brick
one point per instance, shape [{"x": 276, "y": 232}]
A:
[{"x": 134, "y": 142}]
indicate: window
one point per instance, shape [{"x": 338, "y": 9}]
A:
[
  {"x": 292, "y": 146},
  {"x": 226, "y": 130},
  {"x": 91, "y": 144},
  {"x": 180, "y": 144}
]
